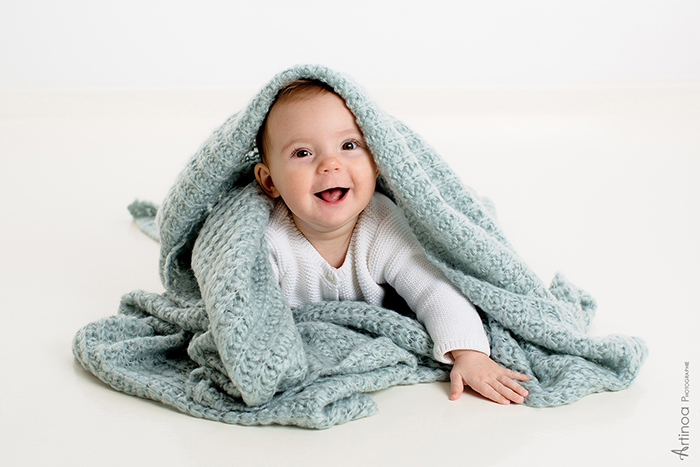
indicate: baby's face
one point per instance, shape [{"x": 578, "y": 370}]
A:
[{"x": 318, "y": 162}]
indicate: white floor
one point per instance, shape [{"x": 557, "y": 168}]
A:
[{"x": 599, "y": 183}]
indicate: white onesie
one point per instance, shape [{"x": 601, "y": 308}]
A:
[{"x": 383, "y": 250}]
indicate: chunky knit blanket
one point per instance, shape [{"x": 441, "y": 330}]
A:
[{"x": 221, "y": 342}]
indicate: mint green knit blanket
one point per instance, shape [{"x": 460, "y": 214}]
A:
[{"x": 221, "y": 342}]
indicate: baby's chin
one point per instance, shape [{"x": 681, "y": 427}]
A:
[{"x": 326, "y": 225}]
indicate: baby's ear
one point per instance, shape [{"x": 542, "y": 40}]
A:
[{"x": 262, "y": 175}]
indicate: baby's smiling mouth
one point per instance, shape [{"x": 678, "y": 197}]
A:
[{"x": 332, "y": 195}]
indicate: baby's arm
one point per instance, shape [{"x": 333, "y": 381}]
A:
[
  {"x": 476, "y": 370},
  {"x": 451, "y": 320}
]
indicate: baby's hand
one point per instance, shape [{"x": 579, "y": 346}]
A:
[{"x": 486, "y": 377}]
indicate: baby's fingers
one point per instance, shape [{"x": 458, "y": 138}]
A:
[
  {"x": 512, "y": 390},
  {"x": 494, "y": 391},
  {"x": 456, "y": 385},
  {"x": 518, "y": 376}
]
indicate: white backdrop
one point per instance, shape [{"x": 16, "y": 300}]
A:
[
  {"x": 224, "y": 43},
  {"x": 579, "y": 120}
]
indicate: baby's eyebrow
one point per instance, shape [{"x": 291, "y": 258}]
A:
[
  {"x": 351, "y": 132},
  {"x": 295, "y": 140},
  {"x": 304, "y": 140}
]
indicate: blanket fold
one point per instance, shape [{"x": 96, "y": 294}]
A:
[{"x": 223, "y": 344}]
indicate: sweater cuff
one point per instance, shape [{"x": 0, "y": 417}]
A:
[{"x": 441, "y": 352}]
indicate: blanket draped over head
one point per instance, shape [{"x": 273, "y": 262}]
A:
[{"x": 222, "y": 343}]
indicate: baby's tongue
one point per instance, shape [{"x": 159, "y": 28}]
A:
[{"x": 332, "y": 195}]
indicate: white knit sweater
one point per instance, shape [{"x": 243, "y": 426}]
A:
[{"x": 383, "y": 250}]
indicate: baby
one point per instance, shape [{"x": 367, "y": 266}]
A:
[{"x": 332, "y": 237}]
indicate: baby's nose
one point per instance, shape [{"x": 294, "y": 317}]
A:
[{"x": 329, "y": 164}]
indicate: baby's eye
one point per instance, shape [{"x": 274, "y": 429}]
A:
[
  {"x": 349, "y": 145},
  {"x": 301, "y": 153}
]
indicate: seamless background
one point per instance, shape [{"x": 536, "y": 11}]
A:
[
  {"x": 577, "y": 118},
  {"x": 160, "y": 44}
]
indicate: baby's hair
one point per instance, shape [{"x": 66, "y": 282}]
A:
[{"x": 294, "y": 90}]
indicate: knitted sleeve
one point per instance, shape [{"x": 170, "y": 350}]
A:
[{"x": 396, "y": 258}]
